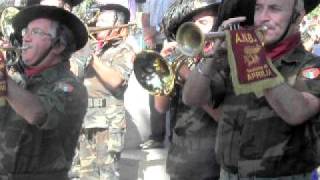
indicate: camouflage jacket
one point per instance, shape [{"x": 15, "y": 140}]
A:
[
  {"x": 191, "y": 153},
  {"x": 117, "y": 56},
  {"x": 47, "y": 147},
  {"x": 253, "y": 140}
]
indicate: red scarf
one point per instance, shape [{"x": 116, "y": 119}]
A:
[
  {"x": 31, "y": 71},
  {"x": 285, "y": 46}
]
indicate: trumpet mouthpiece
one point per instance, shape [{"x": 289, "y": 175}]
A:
[
  {"x": 264, "y": 28},
  {"x": 24, "y": 47}
]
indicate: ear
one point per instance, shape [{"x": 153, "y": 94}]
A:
[{"x": 58, "y": 48}]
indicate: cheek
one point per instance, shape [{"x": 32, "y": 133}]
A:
[
  {"x": 205, "y": 28},
  {"x": 36, "y": 50}
]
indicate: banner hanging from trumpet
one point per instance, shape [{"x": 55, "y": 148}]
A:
[{"x": 251, "y": 70}]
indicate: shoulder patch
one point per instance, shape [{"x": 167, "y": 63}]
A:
[
  {"x": 311, "y": 73},
  {"x": 65, "y": 87}
]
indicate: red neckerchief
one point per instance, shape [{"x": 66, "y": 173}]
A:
[
  {"x": 31, "y": 71},
  {"x": 284, "y": 47}
]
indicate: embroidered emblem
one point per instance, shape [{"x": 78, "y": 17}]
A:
[
  {"x": 65, "y": 87},
  {"x": 311, "y": 73}
]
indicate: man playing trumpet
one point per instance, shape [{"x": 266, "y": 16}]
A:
[
  {"x": 191, "y": 153},
  {"x": 106, "y": 79},
  {"x": 274, "y": 136}
]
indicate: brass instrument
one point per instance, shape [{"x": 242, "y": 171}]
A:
[
  {"x": 12, "y": 52},
  {"x": 154, "y": 73},
  {"x": 97, "y": 29},
  {"x": 158, "y": 74},
  {"x": 6, "y": 21},
  {"x": 191, "y": 39},
  {"x": 19, "y": 49}
]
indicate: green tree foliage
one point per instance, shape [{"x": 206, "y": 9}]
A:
[{"x": 315, "y": 12}]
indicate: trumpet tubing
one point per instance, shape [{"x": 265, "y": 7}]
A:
[
  {"x": 158, "y": 74},
  {"x": 12, "y": 48},
  {"x": 191, "y": 39},
  {"x": 97, "y": 29}
]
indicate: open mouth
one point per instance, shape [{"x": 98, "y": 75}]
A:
[{"x": 25, "y": 47}]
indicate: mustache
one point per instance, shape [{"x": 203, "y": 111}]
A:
[
  {"x": 26, "y": 47},
  {"x": 266, "y": 26}
]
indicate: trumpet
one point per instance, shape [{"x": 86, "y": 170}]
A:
[
  {"x": 98, "y": 29},
  {"x": 6, "y": 21},
  {"x": 153, "y": 73},
  {"x": 191, "y": 39},
  {"x": 17, "y": 49},
  {"x": 157, "y": 74}
]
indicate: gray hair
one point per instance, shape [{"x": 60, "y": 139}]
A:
[
  {"x": 62, "y": 35},
  {"x": 299, "y": 5}
]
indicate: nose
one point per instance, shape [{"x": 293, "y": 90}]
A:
[
  {"x": 262, "y": 16},
  {"x": 26, "y": 36}
]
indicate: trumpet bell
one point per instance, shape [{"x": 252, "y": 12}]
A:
[
  {"x": 190, "y": 39},
  {"x": 154, "y": 73},
  {"x": 6, "y": 21}
]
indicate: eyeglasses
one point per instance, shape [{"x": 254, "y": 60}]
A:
[{"x": 35, "y": 32}]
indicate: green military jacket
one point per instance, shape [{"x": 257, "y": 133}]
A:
[
  {"x": 191, "y": 152},
  {"x": 117, "y": 55},
  {"x": 253, "y": 140},
  {"x": 47, "y": 147}
]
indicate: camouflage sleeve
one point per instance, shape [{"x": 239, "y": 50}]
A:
[
  {"x": 64, "y": 101},
  {"x": 123, "y": 64},
  {"x": 308, "y": 78},
  {"x": 218, "y": 79}
]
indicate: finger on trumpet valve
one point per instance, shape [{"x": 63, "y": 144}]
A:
[{"x": 234, "y": 26}]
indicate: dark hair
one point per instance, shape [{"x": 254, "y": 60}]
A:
[{"x": 234, "y": 8}]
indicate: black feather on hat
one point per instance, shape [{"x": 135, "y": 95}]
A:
[
  {"x": 182, "y": 11},
  {"x": 115, "y": 7},
  {"x": 25, "y": 16},
  {"x": 310, "y": 5}
]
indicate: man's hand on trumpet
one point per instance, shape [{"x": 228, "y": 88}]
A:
[
  {"x": 231, "y": 23},
  {"x": 168, "y": 48},
  {"x": 174, "y": 56}
]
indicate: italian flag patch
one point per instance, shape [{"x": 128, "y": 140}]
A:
[{"x": 311, "y": 73}]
